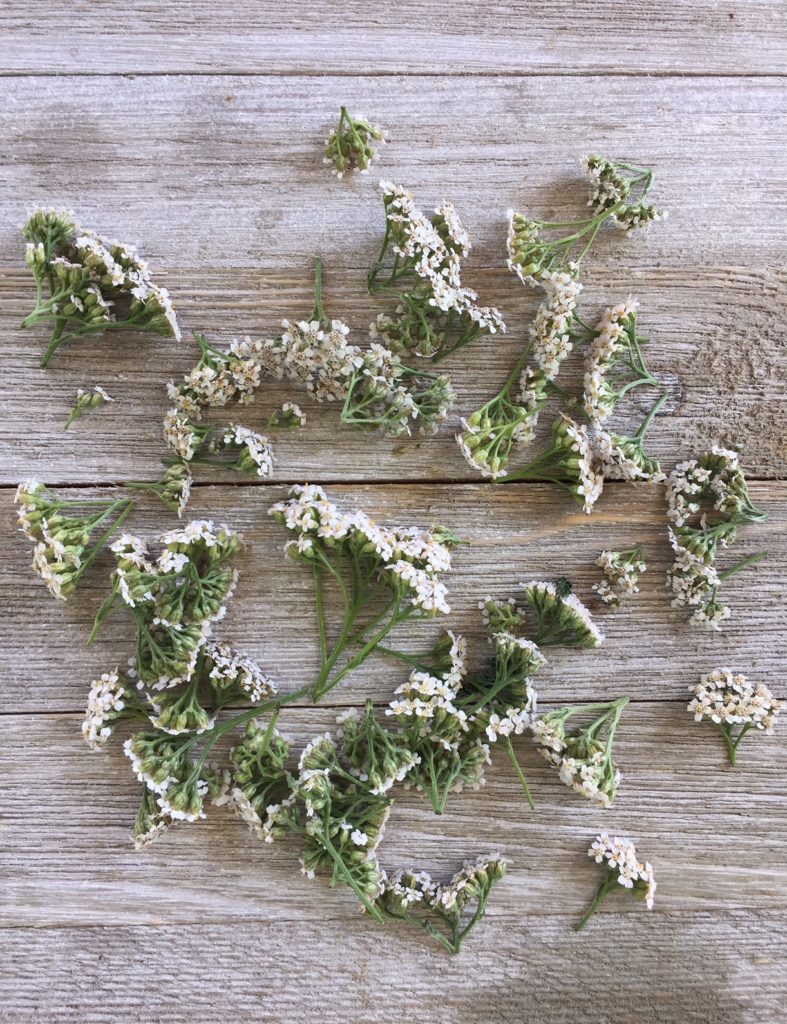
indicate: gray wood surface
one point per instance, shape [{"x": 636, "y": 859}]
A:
[{"x": 194, "y": 130}]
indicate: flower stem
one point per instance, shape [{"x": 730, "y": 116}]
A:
[
  {"x": 520, "y": 773},
  {"x": 603, "y": 891},
  {"x": 743, "y": 564}
]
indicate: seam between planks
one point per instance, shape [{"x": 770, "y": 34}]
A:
[
  {"x": 344, "y": 73},
  {"x": 235, "y": 922}
]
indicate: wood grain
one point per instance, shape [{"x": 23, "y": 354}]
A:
[
  {"x": 514, "y": 533},
  {"x": 709, "y": 851},
  {"x": 195, "y": 130},
  {"x": 249, "y": 205},
  {"x": 267, "y": 38},
  {"x": 725, "y": 967}
]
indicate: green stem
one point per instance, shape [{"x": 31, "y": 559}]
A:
[
  {"x": 54, "y": 344},
  {"x": 643, "y": 429},
  {"x": 603, "y": 891},
  {"x": 520, "y": 773},
  {"x": 743, "y": 564}
]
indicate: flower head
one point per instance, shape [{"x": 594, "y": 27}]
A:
[
  {"x": 621, "y": 866},
  {"x": 727, "y": 700},
  {"x": 351, "y": 145}
]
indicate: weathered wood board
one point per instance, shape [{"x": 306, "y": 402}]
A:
[{"x": 194, "y": 130}]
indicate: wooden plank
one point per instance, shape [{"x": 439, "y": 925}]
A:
[
  {"x": 215, "y": 171},
  {"x": 714, "y": 835},
  {"x": 722, "y": 389},
  {"x": 515, "y": 533},
  {"x": 660, "y": 970},
  {"x": 413, "y": 36},
  {"x": 233, "y": 203}
]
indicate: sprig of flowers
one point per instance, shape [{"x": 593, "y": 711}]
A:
[
  {"x": 174, "y": 488},
  {"x": 86, "y": 284},
  {"x": 217, "y": 378},
  {"x": 87, "y": 400},
  {"x": 622, "y": 570},
  {"x": 508, "y": 421},
  {"x": 251, "y": 452},
  {"x": 338, "y": 818},
  {"x": 376, "y": 389},
  {"x": 621, "y": 866},
  {"x": 614, "y": 364},
  {"x": 583, "y": 755},
  {"x": 258, "y": 775},
  {"x": 435, "y": 315},
  {"x": 618, "y": 193},
  {"x": 569, "y": 463},
  {"x": 351, "y": 145},
  {"x": 63, "y": 531},
  {"x": 560, "y": 617},
  {"x": 449, "y": 911},
  {"x": 173, "y": 598},
  {"x": 708, "y": 500},
  {"x": 451, "y": 746},
  {"x": 728, "y": 700},
  {"x": 399, "y": 568}
]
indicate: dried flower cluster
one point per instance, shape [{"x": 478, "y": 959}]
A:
[
  {"x": 337, "y": 805},
  {"x": 507, "y": 422},
  {"x": 708, "y": 500},
  {"x": 448, "y": 911},
  {"x": 583, "y": 755},
  {"x": 436, "y": 314},
  {"x": 376, "y": 389},
  {"x": 728, "y": 700},
  {"x": 351, "y": 145},
  {"x": 614, "y": 364},
  {"x": 86, "y": 284},
  {"x": 621, "y": 866},
  {"x": 622, "y": 570},
  {"x": 179, "y": 678},
  {"x": 369, "y": 565},
  {"x": 87, "y": 400},
  {"x": 63, "y": 533}
]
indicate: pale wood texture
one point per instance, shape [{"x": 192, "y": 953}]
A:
[
  {"x": 266, "y": 37},
  {"x": 195, "y": 130},
  {"x": 515, "y": 533}
]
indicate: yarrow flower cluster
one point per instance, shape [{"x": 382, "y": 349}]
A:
[
  {"x": 376, "y": 389},
  {"x": 87, "y": 285},
  {"x": 614, "y": 364},
  {"x": 708, "y": 500},
  {"x": 179, "y": 679},
  {"x": 560, "y": 617},
  {"x": 252, "y": 451},
  {"x": 621, "y": 866},
  {"x": 436, "y": 314},
  {"x": 63, "y": 533},
  {"x": 507, "y": 422},
  {"x": 87, "y": 400},
  {"x": 622, "y": 570},
  {"x": 338, "y": 818},
  {"x": 401, "y": 567},
  {"x": 448, "y": 911},
  {"x": 451, "y": 745},
  {"x": 583, "y": 755},
  {"x": 728, "y": 700},
  {"x": 217, "y": 378},
  {"x": 173, "y": 489},
  {"x": 351, "y": 145},
  {"x": 173, "y": 598},
  {"x": 569, "y": 462}
]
